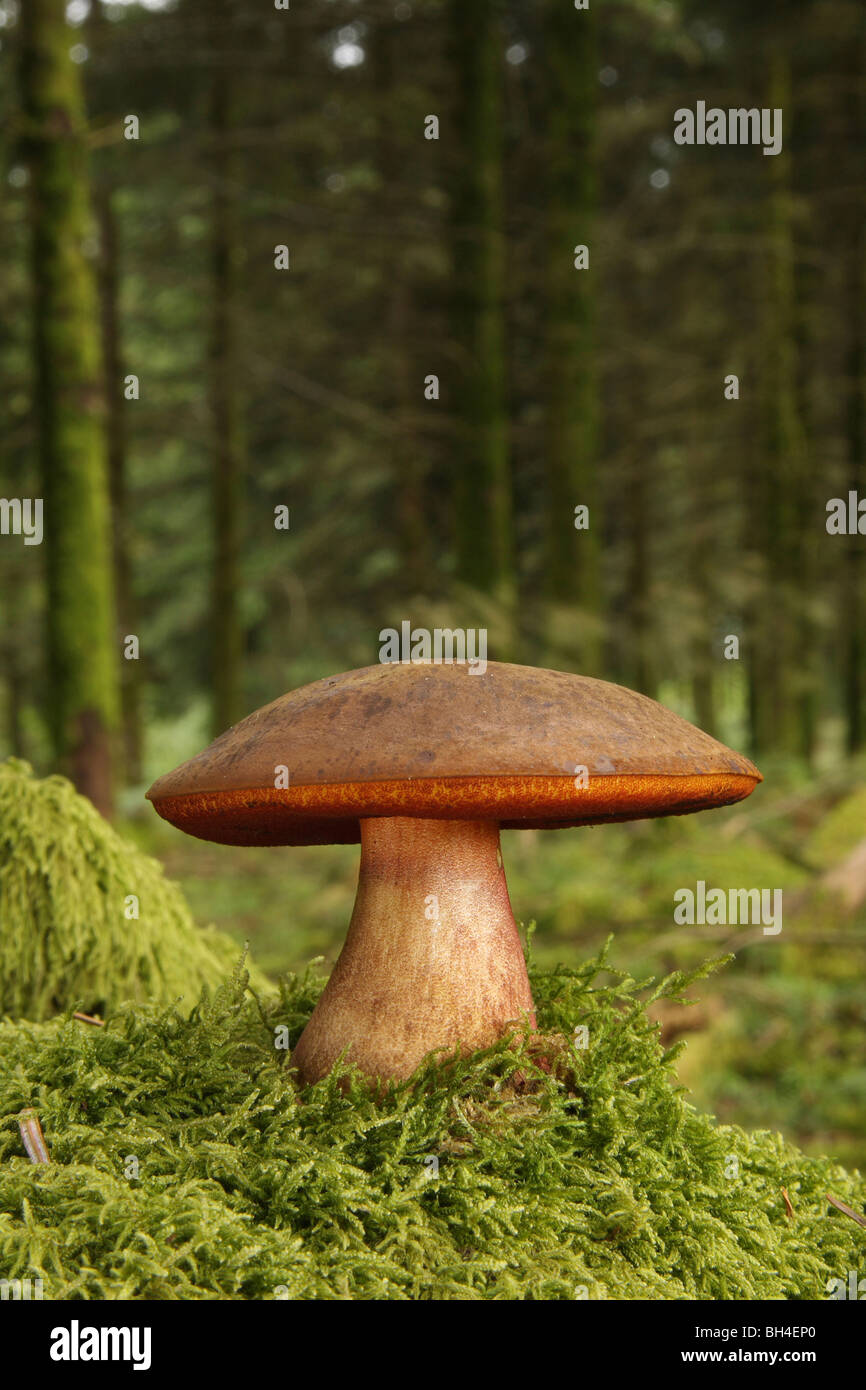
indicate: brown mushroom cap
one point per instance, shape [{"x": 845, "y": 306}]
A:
[{"x": 441, "y": 742}]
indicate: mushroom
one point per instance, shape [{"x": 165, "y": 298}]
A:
[{"x": 424, "y": 763}]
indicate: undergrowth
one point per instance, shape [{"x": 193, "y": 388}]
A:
[{"x": 187, "y": 1164}]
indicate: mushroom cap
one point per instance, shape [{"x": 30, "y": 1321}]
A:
[{"x": 514, "y": 744}]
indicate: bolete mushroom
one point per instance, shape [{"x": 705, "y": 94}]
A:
[{"x": 423, "y": 764}]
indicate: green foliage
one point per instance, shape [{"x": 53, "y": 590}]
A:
[
  {"x": 624, "y": 877},
  {"x": 65, "y": 941},
  {"x": 563, "y": 1173},
  {"x": 840, "y": 831},
  {"x": 792, "y": 1056}
]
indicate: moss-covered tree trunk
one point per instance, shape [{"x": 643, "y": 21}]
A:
[
  {"x": 81, "y": 652},
  {"x": 226, "y": 416},
  {"x": 129, "y": 748},
  {"x": 572, "y": 556},
  {"x": 482, "y": 476}
]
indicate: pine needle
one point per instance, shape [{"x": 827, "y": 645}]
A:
[
  {"x": 848, "y": 1211},
  {"x": 32, "y": 1136}
]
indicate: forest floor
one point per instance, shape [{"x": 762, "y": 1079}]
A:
[
  {"x": 185, "y": 1163},
  {"x": 776, "y": 1039}
]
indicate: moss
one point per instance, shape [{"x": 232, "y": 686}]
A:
[
  {"x": 66, "y": 880},
  {"x": 186, "y": 1165},
  {"x": 82, "y": 659}
]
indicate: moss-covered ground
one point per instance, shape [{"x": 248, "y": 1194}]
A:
[
  {"x": 185, "y": 1163},
  {"x": 87, "y": 920}
]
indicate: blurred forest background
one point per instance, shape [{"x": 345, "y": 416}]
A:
[{"x": 233, "y": 264}]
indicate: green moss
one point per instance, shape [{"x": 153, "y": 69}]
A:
[
  {"x": 66, "y": 884},
  {"x": 82, "y": 656},
  {"x": 562, "y": 1173}
]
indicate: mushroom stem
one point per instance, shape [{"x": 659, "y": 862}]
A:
[{"x": 432, "y": 958}]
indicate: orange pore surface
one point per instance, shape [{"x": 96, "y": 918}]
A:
[{"x": 331, "y": 813}]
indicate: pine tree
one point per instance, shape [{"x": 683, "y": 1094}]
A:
[
  {"x": 482, "y": 478},
  {"x": 572, "y": 556},
  {"x": 70, "y": 414},
  {"x": 226, "y": 414}
]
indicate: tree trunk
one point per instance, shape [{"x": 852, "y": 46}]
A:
[
  {"x": 130, "y": 745},
  {"x": 14, "y": 704},
  {"x": 853, "y": 604},
  {"x": 81, "y": 652},
  {"x": 130, "y": 685},
  {"x": 781, "y": 647},
  {"x": 704, "y": 657},
  {"x": 639, "y": 619},
  {"x": 572, "y": 556},
  {"x": 482, "y": 477},
  {"x": 226, "y": 413},
  {"x": 403, "y": 397}
]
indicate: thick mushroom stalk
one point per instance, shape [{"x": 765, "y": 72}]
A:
[{"x": 432, "y": 959}]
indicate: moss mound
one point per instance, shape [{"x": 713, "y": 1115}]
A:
[
  {"x": 66, "y": 884},
  {"x": 187, "y": 1165}
]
